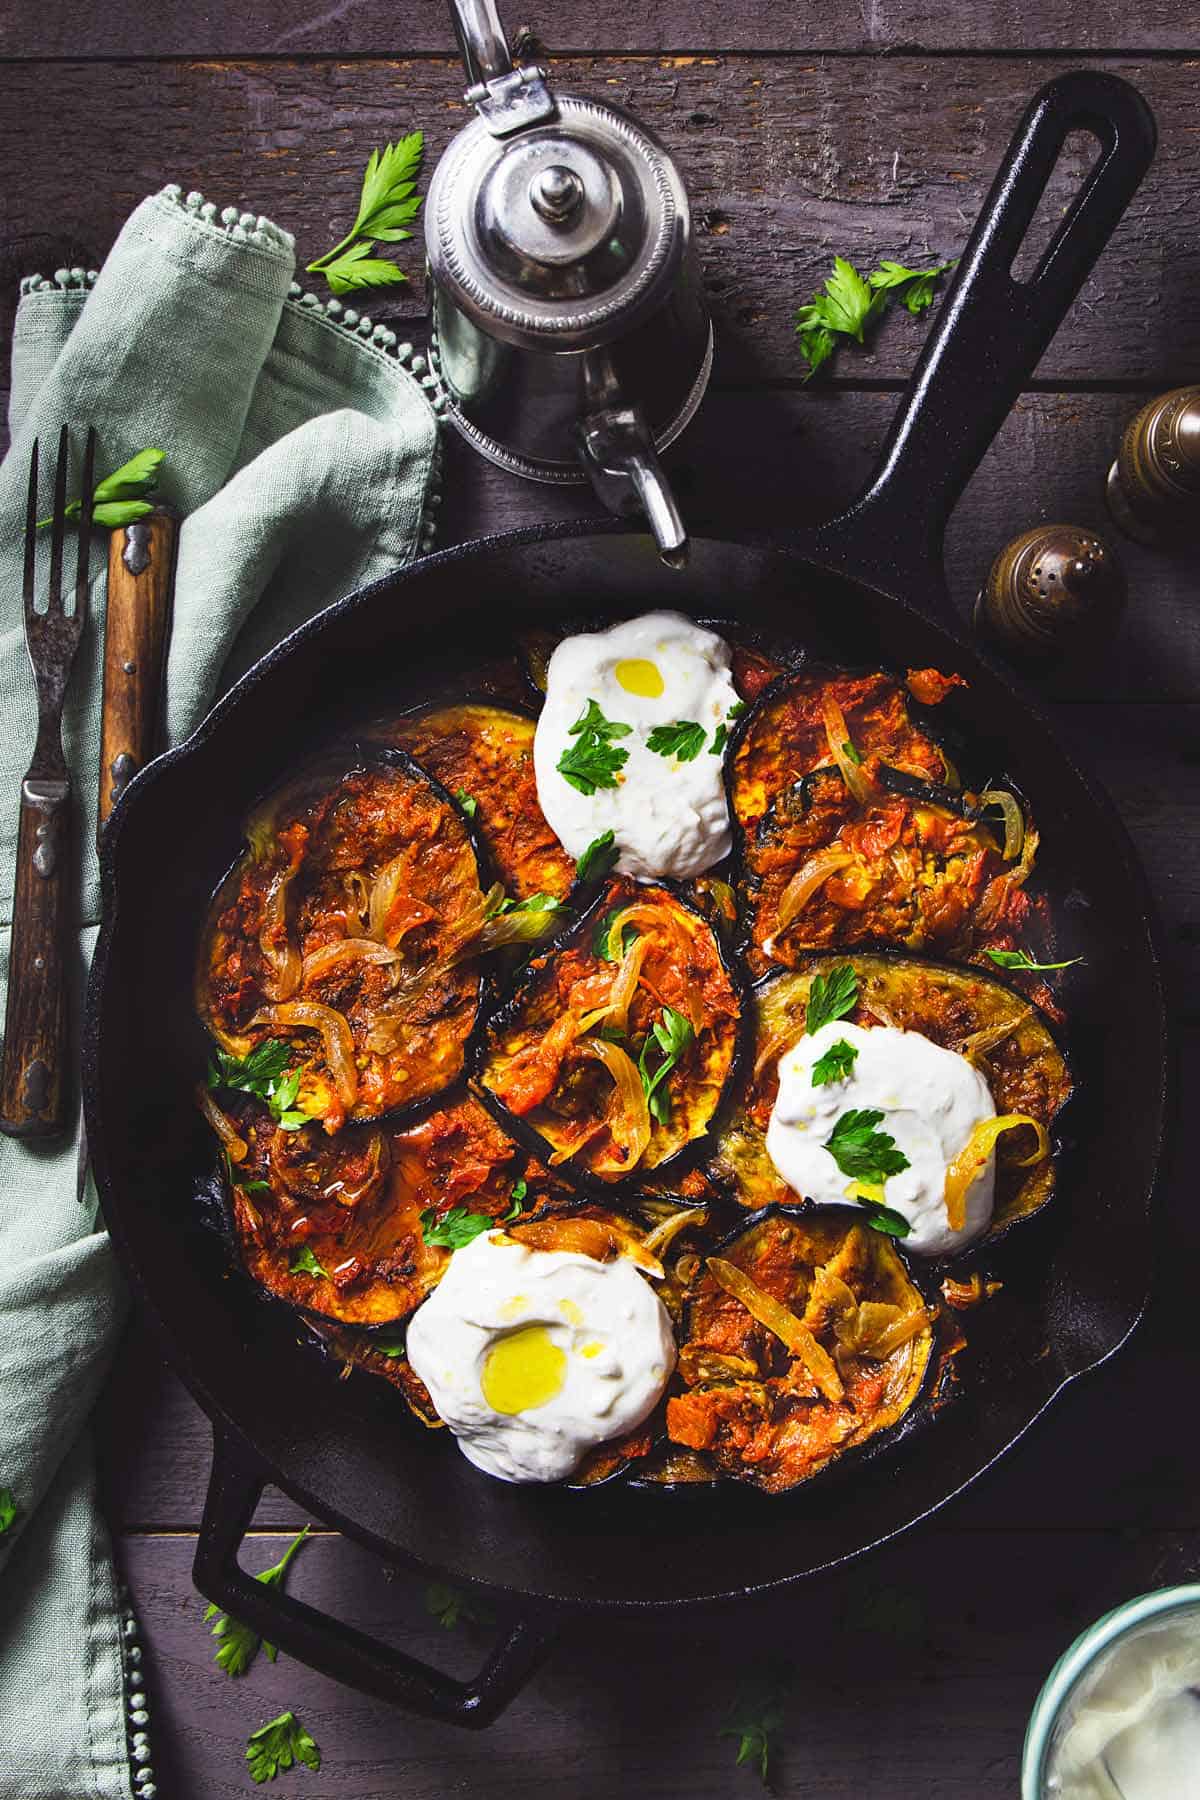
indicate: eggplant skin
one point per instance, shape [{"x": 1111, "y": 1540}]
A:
[
  {"x": 485, "y": 753},
  {"x": 550, "y": 1097},
  {"x": 354, "y": 1202},
  {"x": 959, "y": 1008},
  {"x": 745, "y": 1402},
  {"x": 364, "y": 826}
]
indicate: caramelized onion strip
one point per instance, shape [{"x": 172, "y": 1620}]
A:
[
  {"x": 277, "y": 948},
  {"x": 971, "y": 1160},
  {"x": 231, "y": 1138},
  {"x": 336, "y": 1037},
  {"x": 355, "y": 949},
  {"x": 629, "y": 1122},
  {"x": 808, "y": 878},
  {"x": 780, "y": 1320},
  {"x": 842, "y": 750}
]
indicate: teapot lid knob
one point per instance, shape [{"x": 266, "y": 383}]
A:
[{"x": 556, "y": 194}]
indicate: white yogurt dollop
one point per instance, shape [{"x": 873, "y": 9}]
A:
[
  {"x": 931, "y": 1099},
  {"x": 668, "y": 815},
  {"x": 532, "y": 1357}
]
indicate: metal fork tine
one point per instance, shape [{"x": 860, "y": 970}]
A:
[
  {"x": 31, "y": 532},
  {"x": 58, "y": 529},
  {"x": 85, "y": 529}
]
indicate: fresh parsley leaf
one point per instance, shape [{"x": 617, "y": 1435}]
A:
[
  {"x": 468, "y": 802},
  {"x": 279, "y": 1744},
  {"x": 8, "y": 1509},
  {"x": 520, "y": 1189},
  {"x": 305, "y": 1263},
  {"x": 736, "y": 710},
  {"x": 831, "y": 997},
  {"x": 458, "y": 1227},
  {"x": 393, "y": 1348},
  {"x": 238, "y": 1644},
  {"x": 281, "y": 1099},
  {"x": 599, "y": 857},
  {"x": 602, "y": 944},
  {"x": 852, "y": 753},
  {"x": 885, "y": 1219},
  {"x": 755, "y": 1716},
  {"x": 593, "y": 760},
  {"x": 1021, "y": 959},
  {"x": 254, "y": 1073},
  {"x": 671, "y": 1033},
  {"x": 916, "y": 283},
  {"x": 862, "y": 1152},
  {"x": 684, "y": 740},
  {"x": 720, "y": 737},
  {"x": 121, "y": 497},
  {"x": 835, "y": 1065},
  {"x": 449, "y": 1605},
  {"x": 847, "y": 305},
  {"x": 387, "y": 205}
]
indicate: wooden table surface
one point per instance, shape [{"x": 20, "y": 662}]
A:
[{"x": 870, "y": 130}]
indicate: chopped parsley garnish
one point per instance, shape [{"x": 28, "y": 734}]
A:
[
  {"x": 238, "y": 1644},
  {"x": 262, "y": 1073},
  {"x": 519, "y": 1191},
  {"x": 836, "y": 1063},
  {"x": 458, "y": 1227},
  {"x": 468, "y": 802},
  {"x": 684, "y": 740},
  {"x": 305, "y": 1263},
  {"x": 599, "y": 857},
  {"x": 831, "y": 997},
  {"x": 719, "y": 738},
  {"x": 8, "y": 1508},
  {"x": 755, "y": 1716},
  {"x": 393, "y": 1348},
  {"x": 736, "y": 710},
  {"x": 534, "y": 903},
  {"x": 885, "y": 1219},
  {"x": 671, "y": 1033},
  {"x": 594, "y": 759},
  {"x": 847, "y": 305},
  {"x": 277, "y": 1745},
  {"x": 862, "y": 1152},
  {"x": 602, "y": 939},
  {"x": 449, "y": 1605},
  {"x": 1021, "y": 959},
  {"x": 852, "y": 753}
]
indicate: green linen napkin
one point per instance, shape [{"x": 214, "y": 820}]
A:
[{"x": 302, "y": 447}]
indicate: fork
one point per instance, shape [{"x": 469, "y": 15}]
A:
[{"x": 33, "y": 1088}]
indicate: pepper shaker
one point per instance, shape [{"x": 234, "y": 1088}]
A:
[
  {"x": 1054, "y": 588},
  {"x": 1154, "y": 484}
]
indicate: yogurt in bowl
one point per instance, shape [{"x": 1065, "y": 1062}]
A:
[{"x": 1119, "y": 1717}]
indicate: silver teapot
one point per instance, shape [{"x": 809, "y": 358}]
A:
[{"x": 570, "y": 331}]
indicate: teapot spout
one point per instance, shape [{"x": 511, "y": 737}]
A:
[{"x": 617, "y": 450}]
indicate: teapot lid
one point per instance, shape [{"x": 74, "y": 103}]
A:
[{"x": 560, "y": 235}]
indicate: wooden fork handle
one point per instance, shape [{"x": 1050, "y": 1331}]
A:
[
  {"x": 141, "y": 575},
  {"x": 33, "y": 1084}
]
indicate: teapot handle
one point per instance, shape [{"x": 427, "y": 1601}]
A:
[{"x": 481, "y": 40}]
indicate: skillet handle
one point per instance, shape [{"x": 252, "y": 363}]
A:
[
  {"x": 324, "y": 1643},
  {"x": 992, "y": 329}
]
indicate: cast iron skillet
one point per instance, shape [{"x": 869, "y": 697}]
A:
[{"x": 867, "y": 587}]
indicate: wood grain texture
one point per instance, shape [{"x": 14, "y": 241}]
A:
[
  {"x": 910, "y": 1675},
  {"x": 787, "y": 162},
  {"x": 35, "y": 1075},
  {"x": 375, "y": 27},
  {"x": 141, "y": 571}
]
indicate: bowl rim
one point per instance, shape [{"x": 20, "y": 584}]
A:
[{"x": 1077, "y": 1659}]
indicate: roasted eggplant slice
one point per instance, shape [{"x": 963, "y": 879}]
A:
[
  {"x": 960, "y": 1009},
  {"x": 348, "y": 931},
  {"x": 483, "y": 755},
  {"x": 854, "y": 831},
  {"x": 804, "y": 1338},
  {"x": 334, "y": 1225},
  {"x": 613, "y": 1054}
]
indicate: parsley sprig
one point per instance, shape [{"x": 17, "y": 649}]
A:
[
  {"x": 1021, "y": 959},
  {"x": 594, "y": 760},
  {"x": 450, "y": 1607},
  {"x": 121, "y": 497},
  {"x": 862, "y": 1152},
  {"x": 305, "y": 1263},
  {"x": 239, "y": 1644},
  {"x": 684, "y": 740},
  {"x": 8, "y": 1509},
  {"x": 670, "y": 1034},
  {"x": 262, "y": 1073},
  {"x": 387, "y": 206},
  {"x": 755, "y": 1716},
  {"x": 847, "y": 305},
  {"x": 277, "y": 1745},
  {"x": 599, "y": 857},
  {"x": 831, "y": 997},
  {"x": 456, "y": 1228},
  {"x": 884, "y": 1219},
  {"x": 835, "y": 1065}
]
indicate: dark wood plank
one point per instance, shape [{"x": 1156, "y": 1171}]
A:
[
  {"x": 787, "y": 160},
  {"x": 374, "y": 27},
  {"x": 951, "y": 1633}
]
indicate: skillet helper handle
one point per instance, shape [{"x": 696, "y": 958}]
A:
[
  {"x": 992, "y": 329},
  {"x": 141, "y": 578},
  {"x": 324, "y": 1643}
]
